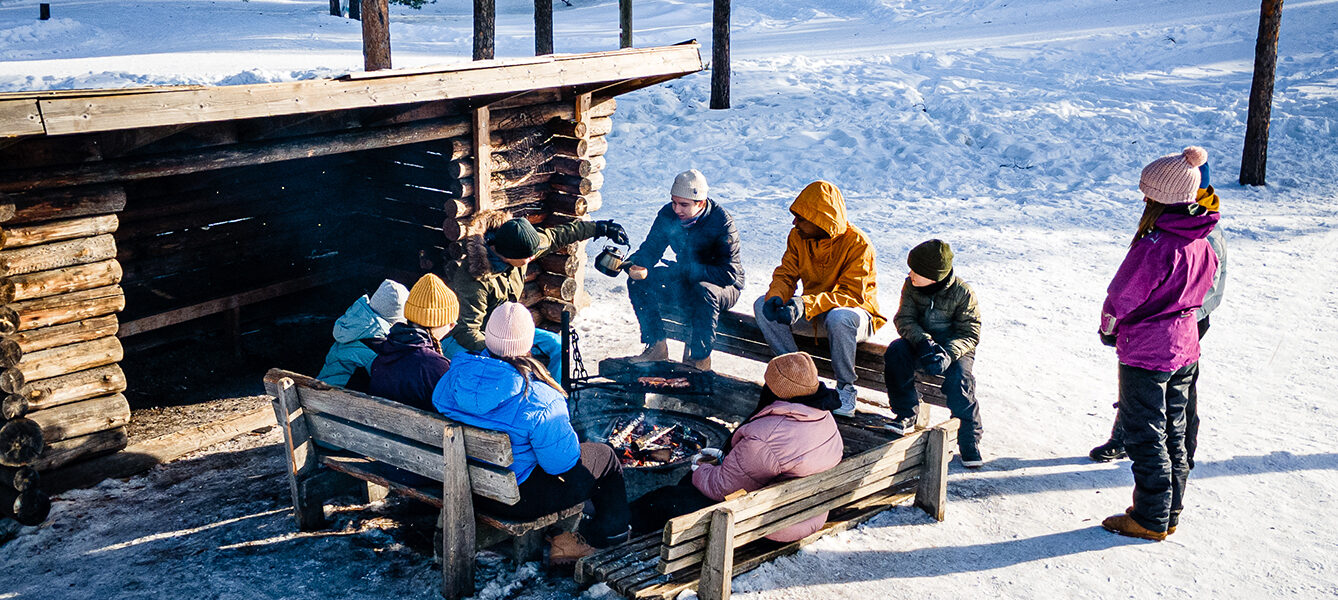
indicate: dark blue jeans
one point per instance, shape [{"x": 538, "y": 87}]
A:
[
  {"x": 1152, "y": 416},
  {"x": 700, "y": 302},
  {"x": 959, "y": 389}
]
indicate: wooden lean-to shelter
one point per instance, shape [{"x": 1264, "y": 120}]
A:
[{"x": 124, "y": 211}]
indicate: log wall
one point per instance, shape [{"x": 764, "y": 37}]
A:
[{"x": 111, "y": 234}]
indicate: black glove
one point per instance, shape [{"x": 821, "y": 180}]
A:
[
  {"x": 790, "y": 312},
  {"x": 934, "y": 360},
  {"x": 612, "y": 231},
  {"x": 1107, "y": 338},
  {"x": 770, "y": 308}
]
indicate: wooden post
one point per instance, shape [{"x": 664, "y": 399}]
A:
[
  {"x": 44, "y": 11},
  {"x": 457, "y": 518},
  {"x": 485, "y": 26},
  {"x": 301, "y": 453},
  {"x": 482, "y": 159},
  {"x": 720, "y": 55},
  {"x": 625, "y": 23},
  {"x": 718, "y": 564},
  {"x": 932, "y": 493},
  {"x": 543, "y": 27},
  {"x": 335, "y": 9},
  {"x": 1253, "y": 162},
  {"x": 375, "y": 34}
]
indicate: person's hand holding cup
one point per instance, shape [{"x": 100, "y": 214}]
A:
[{"x": 638, "y": 273}]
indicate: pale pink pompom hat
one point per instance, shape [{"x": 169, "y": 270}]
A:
[{"x": 1174, "y": 178}]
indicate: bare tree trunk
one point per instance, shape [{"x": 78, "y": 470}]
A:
[
  {"x": 720, "y": 55},
  {"x": 485, "y": 29},
  {"x": 375, "y": 35},
  {"x": 543, "y": 27},
  {"x": 1254, "y": 161}
]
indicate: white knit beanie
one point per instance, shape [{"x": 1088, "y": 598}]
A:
[
  {"x": 690, "y": 184},
  {"x": 510, "y": 331},
  {"x": 1174, "y": 178},
  {"x": 388, "y": 301}
]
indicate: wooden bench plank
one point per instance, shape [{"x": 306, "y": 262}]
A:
[
  {"x": 493, "y": 447},
  {"x": 694, "y": 524},
  {"x": 488, "y": 481}
]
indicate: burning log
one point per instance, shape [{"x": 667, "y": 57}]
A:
[{"x": 648, "y": 440}]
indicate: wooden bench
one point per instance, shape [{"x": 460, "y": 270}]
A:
[
  {"x": 738, "y": 334},
  {"x": 335, "y": 439},
  {"x": 706, "y": 548}
]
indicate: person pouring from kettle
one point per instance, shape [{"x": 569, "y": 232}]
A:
[{"x": 705, "y": 278}]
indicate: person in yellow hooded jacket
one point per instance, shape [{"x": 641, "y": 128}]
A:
[{"x": 833, "y": 261}]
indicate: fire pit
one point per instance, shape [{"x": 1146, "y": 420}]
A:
[{"x": 650, "y": 439}]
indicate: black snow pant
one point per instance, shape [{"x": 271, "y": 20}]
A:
[
  {"x": 651, "y": 511},
  {"x": 1191, "y": 411},
  {"x": 701, "y": 303},
  {"x": 1152, "y": 416},
  {"x": 597, "y": 478},
  {"x": 959, "y": 389}
]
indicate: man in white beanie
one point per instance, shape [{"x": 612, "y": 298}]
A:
[
  {"x": 362, "y": 326},
  {"x": 705, "y": 279}
]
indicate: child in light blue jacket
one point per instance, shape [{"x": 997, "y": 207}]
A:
[{"x": 365, "y": 322}]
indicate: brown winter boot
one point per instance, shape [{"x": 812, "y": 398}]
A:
[
  {"x": 566, "y": 548},
  {"x": 1169, "y": 529},
  {"x": 1124, "y": 524},
  {"x": 653, "y": 353}
]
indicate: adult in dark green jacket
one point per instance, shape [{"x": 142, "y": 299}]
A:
[
  {"x": 939, "y": 325},
  {"x": 498, "y": 248}
]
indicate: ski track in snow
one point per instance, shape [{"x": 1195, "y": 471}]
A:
[{"x": 1014, "y": 130}]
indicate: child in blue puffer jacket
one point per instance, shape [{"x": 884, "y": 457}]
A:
[{"x": 506, "y": 389}]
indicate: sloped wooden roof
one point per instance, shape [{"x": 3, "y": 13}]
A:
[{"x": 62, "y": 112}]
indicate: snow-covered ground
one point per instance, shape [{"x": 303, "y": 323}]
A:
[{"x": 1013, "y": 129}]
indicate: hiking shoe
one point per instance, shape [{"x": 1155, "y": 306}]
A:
[
  {"x": 971, "y": 458},
  {"x": 1169, "y": 529},
  {"x": 700, "y": 364},
  {"x": 901, "y": 425},
  {"x": 653, "y": 353},
  {"x": 565, "y": 548},
  {"x": 849, "y": 398},
  {"x": 1124, "y": 524},
  {"x": 1111, "y": 450}
]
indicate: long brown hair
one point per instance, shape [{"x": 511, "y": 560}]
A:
[
  {"x": 531, "y": 368},
  {"x": 1148, "y": 221}
]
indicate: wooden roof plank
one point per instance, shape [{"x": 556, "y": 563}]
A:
[
  {"x": 19, "y": 118},
  {"x": 66, "y": 115}
]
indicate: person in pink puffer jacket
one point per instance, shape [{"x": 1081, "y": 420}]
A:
[{"x": 791, "y": 434}]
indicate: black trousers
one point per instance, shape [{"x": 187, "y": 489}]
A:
[
  {"x": 959, "y": 389},
  {"x": 1152, "y": 416},
  {"x": 1191, "y": 411},
  {"x": 651, "y": 511},
  {"x": 597, "y": 478},
  {"x": 700, "y": 301}
]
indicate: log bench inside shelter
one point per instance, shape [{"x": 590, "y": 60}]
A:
[
  {"x": 738, "y": 335},
  {"x": 335, "y": 437}
]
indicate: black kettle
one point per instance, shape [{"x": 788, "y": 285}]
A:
[{"x": 611, "y": 261}]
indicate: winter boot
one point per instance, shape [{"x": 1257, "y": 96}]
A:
[
  {"x": 701, "y": 364},
  {"x": 971, "y": 457},
  {"x": 1124, "y": 524},
  {"x": 653, "y": 353},
  {"x": 1169, "y": 529},
  {"x": 849, "y": 397},
  {"x": 1111, "y": 450},
  {"x": 565, "y": 548}
]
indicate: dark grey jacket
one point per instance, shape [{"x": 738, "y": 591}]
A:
[
  {"x": 707, "y": 250},
  {"x": 951, "y": 317}
]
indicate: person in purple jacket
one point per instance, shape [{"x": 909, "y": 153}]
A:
[
  {"x": 1149, "y": 317},
  {"x": 409, "y": 362}
]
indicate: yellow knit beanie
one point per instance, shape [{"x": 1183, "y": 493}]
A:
[{"x": 431, "y": 303}]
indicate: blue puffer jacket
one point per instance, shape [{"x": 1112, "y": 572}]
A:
[
  {"x": 485, "y": 392},
  {"x": 360, "y": 322}
]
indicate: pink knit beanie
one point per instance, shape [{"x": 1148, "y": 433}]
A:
[
  {"x": 510, "y": 331},
  {"x": 1174, "y": 178}
]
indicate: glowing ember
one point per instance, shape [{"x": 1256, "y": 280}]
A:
[{"x": 641, "y": 443}]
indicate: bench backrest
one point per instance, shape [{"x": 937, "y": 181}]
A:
[
  {"x": 399, "y": 435},
  {"x": 780, "y": 505}
]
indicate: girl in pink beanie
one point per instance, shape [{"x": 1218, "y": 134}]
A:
[{"x": 1149, "y": 318}]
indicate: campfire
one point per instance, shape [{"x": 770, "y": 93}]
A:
[{"x": 643, "y": 442}]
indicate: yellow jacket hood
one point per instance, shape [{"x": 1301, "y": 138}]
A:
[{"x": 822, "y": 204}]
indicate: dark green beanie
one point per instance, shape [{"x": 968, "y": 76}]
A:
[
  {"x": 516, "y": 239},
  {"x": 931, "y": 259}
]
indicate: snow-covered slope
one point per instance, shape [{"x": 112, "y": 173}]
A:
[{"x": 1014, "y": 130}]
